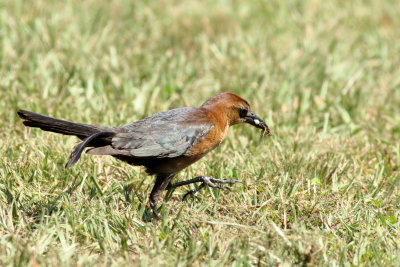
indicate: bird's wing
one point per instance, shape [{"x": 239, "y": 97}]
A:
[{"x": 166, "y": 134}]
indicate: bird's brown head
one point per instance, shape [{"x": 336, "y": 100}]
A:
[{"x": 233, "y": 109}]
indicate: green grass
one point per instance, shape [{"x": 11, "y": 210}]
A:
[{"x": 325, "y": 75}]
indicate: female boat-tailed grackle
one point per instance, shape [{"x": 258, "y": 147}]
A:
[{"x": 164, "y": 143}]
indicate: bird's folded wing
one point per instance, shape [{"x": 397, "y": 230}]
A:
[{"x": 164, "y": 135}]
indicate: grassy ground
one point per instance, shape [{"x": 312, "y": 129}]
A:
[{"x": 325, "y": 75}]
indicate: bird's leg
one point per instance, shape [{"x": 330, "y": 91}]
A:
[
  {"x": 162, "y": 181},
  {"x": 205, "y": 181}
]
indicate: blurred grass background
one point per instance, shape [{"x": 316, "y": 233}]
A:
[{"x": 322, "y": 191}]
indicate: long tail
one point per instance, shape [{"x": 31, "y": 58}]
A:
[
  {"x": 90, "y": 134},
  {"x": 46, "y": 123}
]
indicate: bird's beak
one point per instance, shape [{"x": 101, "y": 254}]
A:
[{"x": 256, "y": 121}]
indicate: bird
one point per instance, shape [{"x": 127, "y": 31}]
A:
[{"x": 164, "y": 143}]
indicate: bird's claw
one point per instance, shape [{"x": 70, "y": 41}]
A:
[
  {"x": 154, "y": 208},
  {"x": 210, "y": 181}
]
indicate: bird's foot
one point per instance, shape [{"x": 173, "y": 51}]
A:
[
  {"x": 205, "y": 181},
  {"x": 156, "y": 214}
]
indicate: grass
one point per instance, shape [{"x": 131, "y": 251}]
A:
[{"x": 324, "y": 190}]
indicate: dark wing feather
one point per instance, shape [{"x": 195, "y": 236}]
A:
[{"x": 166, "y": 134}]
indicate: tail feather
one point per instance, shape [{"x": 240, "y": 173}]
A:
[
  {"x": 46, "y": 123},
  {"x": 91, "y": 135}
]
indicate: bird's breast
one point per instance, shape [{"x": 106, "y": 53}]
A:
[{"x": 211, "y": 140}]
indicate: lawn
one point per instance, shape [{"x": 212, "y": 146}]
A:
[{"x": 322, "y": 191}]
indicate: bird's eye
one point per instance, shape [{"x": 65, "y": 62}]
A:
[{"x": 242, "y": 112}]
